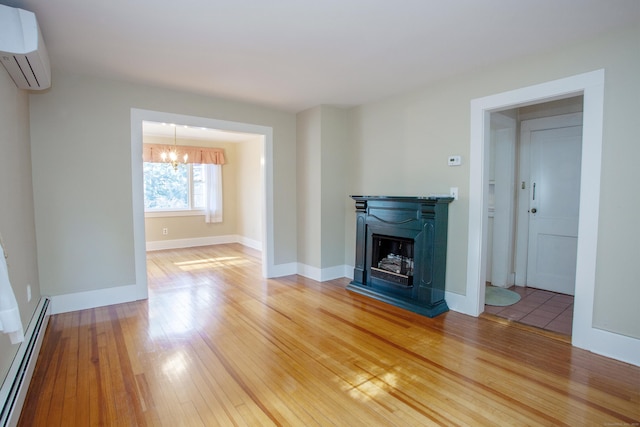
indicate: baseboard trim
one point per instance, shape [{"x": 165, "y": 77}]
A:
[
  {"x": 159, "y": 245},
  {"x": 250, "y": 243},
  {"x": 281, "y": 270},
  {"x": 456, "y": 302},
  {"x": 321, "y": 274},
  {"x": 16, "y": 384},
  {"x": 92, "y": 299},
  {"x": 615, "y": 346}
]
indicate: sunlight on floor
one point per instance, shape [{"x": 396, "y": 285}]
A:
[
  {"x": 373, "y": 387},
  {"x": 211, "y": 262},
  {"x": 175, "y": 365}
]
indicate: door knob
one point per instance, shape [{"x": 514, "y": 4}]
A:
[{"x": 534, "y": 210}]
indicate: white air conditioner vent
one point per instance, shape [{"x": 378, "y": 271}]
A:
[{"x": 22, "y": 49}]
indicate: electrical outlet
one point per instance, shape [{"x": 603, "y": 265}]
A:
[
  {"x": 165, "y": 231},
  {"x": 453, "y": 191},
  {"x": 454, "y": 160}
]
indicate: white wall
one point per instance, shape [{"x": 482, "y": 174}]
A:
[
  {"x": 401, "y": 145},
  {"x": 81, "y": 150},
  {"x": 16, "y": 207},
  {"x": 334, "y": 178},
  {"x": 249, "y": 189},
  {"x": 309, "y": 144},
  {"x": 322, "y": 142}
]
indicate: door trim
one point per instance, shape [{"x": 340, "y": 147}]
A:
[
  {"x": 591, "y": 86},
  {"x": 503, "y": 135}
]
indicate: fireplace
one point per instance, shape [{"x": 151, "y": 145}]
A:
[
  {"x": 401, "y": 248},
  {"x": 392, "y": 259}
]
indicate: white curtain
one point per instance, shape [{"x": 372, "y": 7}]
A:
[
  {"x": 10, "y": 322},
  {"x": 213, "y": 204}
]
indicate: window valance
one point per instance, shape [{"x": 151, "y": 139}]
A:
[{"x": 204, "y": 155}]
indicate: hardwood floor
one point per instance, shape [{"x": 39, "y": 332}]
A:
[{"x": 216, "y": 344}]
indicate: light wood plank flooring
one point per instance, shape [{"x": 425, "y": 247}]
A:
[{"x": 216, "y": 344}]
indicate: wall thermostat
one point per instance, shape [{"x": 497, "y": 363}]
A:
[{"x": 454, "y": 160}]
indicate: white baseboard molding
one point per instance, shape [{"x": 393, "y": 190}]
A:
[
  {"x": 16, "y": 384},
  {"x": 159, "y": 245},
  {"x": 281, "y": 270},
  {"x": 456, "y": 302},
  {"x": 250, "y": 243},
  {"x": 92, "y": 299},
  {"x": 320, "y": 274},
  {"x": 348, "y": 271},
  {"x": 615, "y": 346}
]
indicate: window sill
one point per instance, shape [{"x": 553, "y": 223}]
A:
[{"x": 162, "y": 214}]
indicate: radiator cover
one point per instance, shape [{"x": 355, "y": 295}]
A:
[{"x": 16, "y": 384}]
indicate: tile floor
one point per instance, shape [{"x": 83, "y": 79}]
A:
[{"x": 539, "y": 308}]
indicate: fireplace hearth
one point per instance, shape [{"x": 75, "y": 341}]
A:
[{"x": 401, "y": 249}]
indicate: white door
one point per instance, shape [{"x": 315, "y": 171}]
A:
[{"x": 554, "y": 147}]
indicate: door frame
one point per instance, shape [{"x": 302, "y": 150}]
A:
[
  {"x": 504, "y": 145},
  {"x": 522, "y": 209},
  {"x": 591, "y": 86},
  {"x": 140, "y": 115}
]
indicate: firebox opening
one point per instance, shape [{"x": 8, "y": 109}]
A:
[{"x": 392, "y": 259}]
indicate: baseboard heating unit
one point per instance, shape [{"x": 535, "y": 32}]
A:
[{"x": 15, "y": 386}]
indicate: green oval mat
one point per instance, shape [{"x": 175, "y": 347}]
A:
[{"x": 500, "y": 297}]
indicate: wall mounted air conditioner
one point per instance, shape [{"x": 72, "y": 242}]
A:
[{"x": 22, "y": 49}]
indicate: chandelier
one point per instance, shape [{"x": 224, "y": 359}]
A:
[{"x": 172, "y": 155}]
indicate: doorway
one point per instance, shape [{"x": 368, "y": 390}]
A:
[
  {"x": 591, "y": 85},
  {"x": 175, "y": 198},
  {"x": 138, "y": 116},
  {"x": 534, "y": 187}
]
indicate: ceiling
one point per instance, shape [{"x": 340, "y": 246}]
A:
[
  {"x": 296, "y": 54},
  {"x": 183, "y": 132}
]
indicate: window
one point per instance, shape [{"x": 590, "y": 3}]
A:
[{"x": 169, "y": 190}]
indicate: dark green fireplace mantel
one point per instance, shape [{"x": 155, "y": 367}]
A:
[{"x": 416, "y": 225}]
